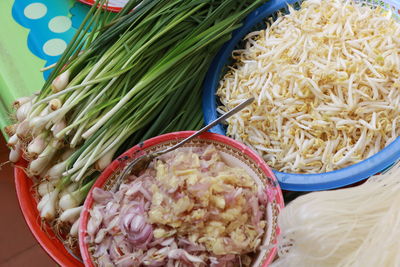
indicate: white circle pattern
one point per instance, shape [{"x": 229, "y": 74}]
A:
[
  {"x": 60, "y": 24},
  {"x": 35, "y": 11},
  {"x": 54, "y": 47}
]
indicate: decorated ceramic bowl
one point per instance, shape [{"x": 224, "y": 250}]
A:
[{"x": 232, "y": 152}]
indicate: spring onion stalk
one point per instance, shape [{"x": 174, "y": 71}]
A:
[
  {"x": 47, "y": 206},
  {"x": 37, "y": 145},
  {"x": 121, "y": 80},
  {"x": 71, "y": 215},
  {"x": 10, "y": 129},
  {"x": 74, "y": 229},
  {"x": 69, "y": 189},
  {"x": 12, "y": 141},
  {"x": 45, "y": 188},
  {"x": 75, "y": 198},
  {"x": 15, "y": 153}
]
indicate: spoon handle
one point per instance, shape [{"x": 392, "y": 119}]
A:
[{"x": 210, "y": 125}]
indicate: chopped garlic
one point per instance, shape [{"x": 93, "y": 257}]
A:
[{"x": 210, "y": 201}]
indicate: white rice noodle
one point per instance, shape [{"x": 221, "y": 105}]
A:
[{"x": 357, "y": 226}]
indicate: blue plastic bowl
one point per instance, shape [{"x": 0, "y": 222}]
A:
[{"x": 289, "y": 181}]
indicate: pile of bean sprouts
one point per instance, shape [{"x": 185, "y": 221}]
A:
[{"x": 326, "y": 79}]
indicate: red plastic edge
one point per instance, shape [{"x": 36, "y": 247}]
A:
[
  {"x": 110, "y": 8},
  {"x": 43, "y": 234},
  {"x": 135, "y": 152}
]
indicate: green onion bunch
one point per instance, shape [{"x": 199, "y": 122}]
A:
[{"x": 122, "y": 79}]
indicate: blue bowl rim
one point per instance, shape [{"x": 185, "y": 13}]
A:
[{"x": 291, "y": 181}]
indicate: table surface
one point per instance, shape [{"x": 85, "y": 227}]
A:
[{"x": 17, "y": 245}]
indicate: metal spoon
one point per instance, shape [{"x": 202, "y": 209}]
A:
[{"x": 143, "y": 162}]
